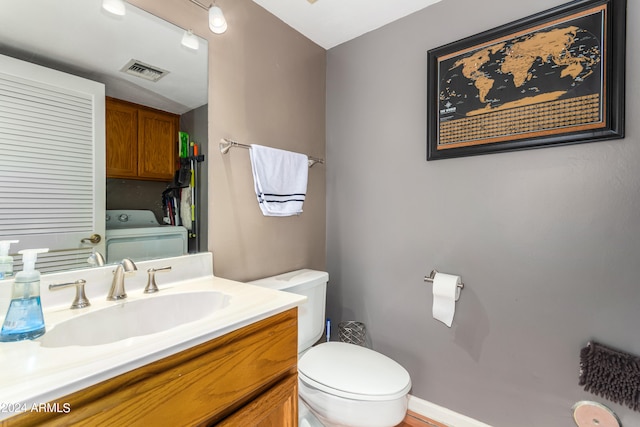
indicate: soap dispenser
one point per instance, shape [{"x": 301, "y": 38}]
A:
[
  {"x": 6, "y": 261},
  {"x": 24, "y": 318}
]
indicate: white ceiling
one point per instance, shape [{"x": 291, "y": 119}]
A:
[
  {"x": 331, "y": 22},
  {"x": 79, "y": 37}
]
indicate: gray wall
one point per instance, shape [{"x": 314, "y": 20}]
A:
[
  {"x": 135, "y": 194},
  {"x": 196, "y": 123},
  {"x": 547, "y": 241},
  {"x": 266, "y": 86}
]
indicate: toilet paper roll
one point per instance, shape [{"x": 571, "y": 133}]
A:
[{"x": 445, "y": 294}]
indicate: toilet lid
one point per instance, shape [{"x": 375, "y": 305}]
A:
[{"x": 354, "y": 372}]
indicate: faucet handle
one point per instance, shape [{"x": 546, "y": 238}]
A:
[
  {"x": 80, "y": 301},
  {"x": 151, "y": 282},
  {"x": 124, "y": 268}
]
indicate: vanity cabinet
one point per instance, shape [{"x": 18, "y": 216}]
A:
[
  {"x": 247, "y": 377},
  {"x": 141, "y": 142}
]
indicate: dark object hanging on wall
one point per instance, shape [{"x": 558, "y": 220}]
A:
[
  {"x": 553, "y": 78},
  {"x": 611, "y": 374}
]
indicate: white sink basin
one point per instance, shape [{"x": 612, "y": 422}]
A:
[{"x": 148, "y": 315}]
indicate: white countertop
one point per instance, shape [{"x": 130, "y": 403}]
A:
[{"x": 32, "y": 374}]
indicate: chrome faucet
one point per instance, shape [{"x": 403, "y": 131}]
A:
[
  {"x": 96, "y": 259},
  {"x": 117, "y": 291}
]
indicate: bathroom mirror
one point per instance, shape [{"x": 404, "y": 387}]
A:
[{"x": 80, "y": 38}]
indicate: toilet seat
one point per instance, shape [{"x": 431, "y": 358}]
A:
[{"x": 353, "y": 372}]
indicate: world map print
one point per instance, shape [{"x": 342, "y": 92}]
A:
[{"x": 555, "y": 63}]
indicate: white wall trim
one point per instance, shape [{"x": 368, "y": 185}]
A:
[{"x": 442, "y": 415}]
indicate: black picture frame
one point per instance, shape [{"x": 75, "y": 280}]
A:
[{"x": 553, "y": 78}]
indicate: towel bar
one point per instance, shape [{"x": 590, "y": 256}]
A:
[{"x": 226, "y": 144}]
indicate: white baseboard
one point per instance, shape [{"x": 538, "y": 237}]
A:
[{"x": 442, "y": 415}]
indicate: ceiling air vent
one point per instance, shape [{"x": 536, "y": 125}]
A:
[{"x": 145, "y": 71}]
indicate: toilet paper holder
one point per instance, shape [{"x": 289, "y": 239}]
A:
[{"x": 432, "y": 276}]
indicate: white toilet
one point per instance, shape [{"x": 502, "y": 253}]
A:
[{"x": 342, "y": 384}]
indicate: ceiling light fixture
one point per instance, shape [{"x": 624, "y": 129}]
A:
[
  {"x": 217, "y": 21},
  {"x": 190, "y": 40},
  {"x": 116, "y": 7}
]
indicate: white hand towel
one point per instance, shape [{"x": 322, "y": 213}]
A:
[{"x": 280, "y": 179}]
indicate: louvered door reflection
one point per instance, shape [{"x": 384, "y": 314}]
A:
[{"x": 51, "y": 162}]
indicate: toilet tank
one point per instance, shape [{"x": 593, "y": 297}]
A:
[{"x": 313, "y": 285}]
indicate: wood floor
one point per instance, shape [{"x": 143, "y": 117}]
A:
[{"x": 414, "y": 420}]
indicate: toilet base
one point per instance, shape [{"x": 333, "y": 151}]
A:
[
  {"x": 334, "y": 411},
  {"x": 306, "y": 417}
]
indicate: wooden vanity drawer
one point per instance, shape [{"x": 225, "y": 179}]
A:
[{"x": 199, "y": 386}]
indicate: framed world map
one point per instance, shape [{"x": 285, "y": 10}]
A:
[{"x": 553, "y": 78}]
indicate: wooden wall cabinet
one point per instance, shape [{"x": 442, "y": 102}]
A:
[
  {"x": 245, "y": 378},
  {"x": 141, "y": 142}
]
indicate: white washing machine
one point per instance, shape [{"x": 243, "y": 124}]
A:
[{"x": 136, "y": 234}]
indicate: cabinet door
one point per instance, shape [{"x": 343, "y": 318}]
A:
[
  {"x": 157, "y": 145},
  {"x": 245, "y": 378},
  {"x": 277, "y": 407},
  {"x": 122, "y": 139}
]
